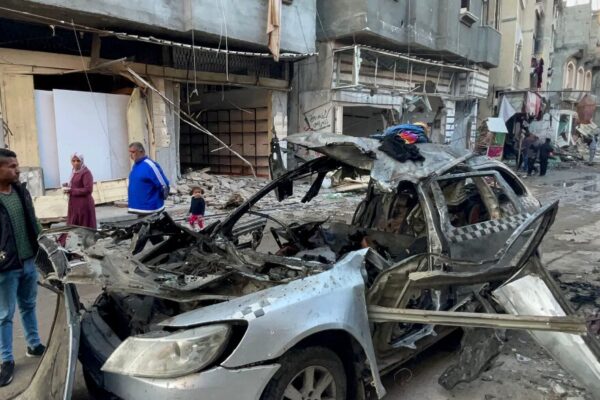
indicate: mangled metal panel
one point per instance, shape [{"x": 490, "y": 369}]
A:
[
  {"x": 364, "y": 154},
  {"x": 531, "y": 296},
  {"x": 286, "y": 314},
  {"x": 568, "y": 324}
]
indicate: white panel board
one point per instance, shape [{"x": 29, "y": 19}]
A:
[
  {"x": 82, "y": 126},
  {"x": 118, "y": 140},
  {"x": 46, "y": 130}
]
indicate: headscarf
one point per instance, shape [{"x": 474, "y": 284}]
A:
[{"x": 83, "y": 166}]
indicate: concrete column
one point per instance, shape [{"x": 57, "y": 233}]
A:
[{"x": 163, "y": 144}]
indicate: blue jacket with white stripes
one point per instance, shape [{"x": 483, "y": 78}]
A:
[{"x": 146, "y": 182}]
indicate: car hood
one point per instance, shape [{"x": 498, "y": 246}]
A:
[{"x": 185, "y": 267}]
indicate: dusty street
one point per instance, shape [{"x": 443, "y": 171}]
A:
[{"x": 523, "y": 370}]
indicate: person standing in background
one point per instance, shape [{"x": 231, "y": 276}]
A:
[
  {"x": 197, "y": 209},
  {"x": 148, "y": 185},
  {"x": 546, "y": 151},
  {"x": 82, "y": 210},
  {"x": 532, "y": 153}
]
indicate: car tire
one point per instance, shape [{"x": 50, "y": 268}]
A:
[{"x": 312, "y": 373}]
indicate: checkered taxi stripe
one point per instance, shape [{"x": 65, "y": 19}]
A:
[
  {"x": 253, "y": 311},
  {"x": 476, "y": 231}
]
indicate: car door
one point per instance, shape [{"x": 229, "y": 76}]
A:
[
  {"x": 495, "y": 229},
  {"x": 55, "y": 375}
]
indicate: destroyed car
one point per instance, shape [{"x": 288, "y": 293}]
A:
[{"x": 436, "y": 244}]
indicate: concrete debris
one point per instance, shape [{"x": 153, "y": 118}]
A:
[
  {"x": 235, "y": 200},
  {"x": 522, "y": 359},
  {"x": 558, "y": 389},
  {"x": 478, "y": 348}
]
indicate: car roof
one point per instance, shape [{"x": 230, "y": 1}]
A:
[{"x": 364, "y": 153}]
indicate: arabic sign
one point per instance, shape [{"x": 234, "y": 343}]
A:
[{"x": 318, "y": 118}]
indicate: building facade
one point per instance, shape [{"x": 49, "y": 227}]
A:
[
  {"x": 577, "y": 53},
  {"x": 386, "y": 62},
  {"x": 183, "y": 77},
  {"x": 528, "y": 29}
]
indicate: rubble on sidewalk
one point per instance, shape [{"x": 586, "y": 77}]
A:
[{"x": 224, "y": 192}]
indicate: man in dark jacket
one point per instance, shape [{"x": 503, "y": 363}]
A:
[
  {"x": 545, "y": 152},
  {"x": 18, "y": 274},
  {"x": 533, "y": 148}
]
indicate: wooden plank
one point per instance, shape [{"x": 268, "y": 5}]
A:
[
  {"x": 236, "y": 127},
  {"x": 18, "y": 107},
  {"x": 262, "y": 126},
  {"x": 224, "y": 127},
  {"x": 223, "y": 115},
  {"x": 249, "y": 127},
  {"x": 263, "y": 113},
  {"x": 50, "y": 207},
  {"x": 249, "y": 116}
]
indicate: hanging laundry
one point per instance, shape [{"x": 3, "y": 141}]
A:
[
  {"x": 533, "y": 76},
  {"x": 506, "y": 109},
  {"x": 398, "y": 129},
  {"x": 533, "y": 104},
  {"x": 409, "y": 137},
  {"x": 539, "y": 71}
]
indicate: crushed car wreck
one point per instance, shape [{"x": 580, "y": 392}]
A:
[{"x": 435, "y": 244}]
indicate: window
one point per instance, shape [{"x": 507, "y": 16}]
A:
[
  {"x": 465, "y": 5},
  {"x": 570, "y": 76},
  {"x": 588, "y": 81},
  {"x": 595, "y": 5},
  {"x": 580, "y": 78},
  {"x": 519, "y": 53}
]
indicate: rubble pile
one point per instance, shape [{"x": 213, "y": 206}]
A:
[
  {"x": 225, "y": 192},
  {"x": 219, "y": 189}
]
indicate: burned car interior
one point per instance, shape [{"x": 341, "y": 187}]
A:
[{"x": 440, "y": 240}]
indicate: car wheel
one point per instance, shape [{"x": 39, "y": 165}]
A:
[{"x": 313, "y": 373}]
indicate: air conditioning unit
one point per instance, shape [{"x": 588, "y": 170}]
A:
[{"x": 467, "y": 17}]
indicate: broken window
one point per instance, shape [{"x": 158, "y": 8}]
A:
[
  {"x": 475, "y": 199},
  {"x": 478, "y": 213},
  {"x": 393, "y": 223}
]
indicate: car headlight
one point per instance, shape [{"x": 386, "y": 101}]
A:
[{"x": 171, "y": 356}]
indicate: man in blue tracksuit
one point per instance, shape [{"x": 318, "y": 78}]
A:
[{"x": 148, "y": 185}]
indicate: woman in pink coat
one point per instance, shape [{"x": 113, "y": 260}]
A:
[{"x": 82, "y": 211}]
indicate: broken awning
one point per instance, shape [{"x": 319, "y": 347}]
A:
[
  {"x": 496, "y": 125},
  {"x": 363, "y": 153}
]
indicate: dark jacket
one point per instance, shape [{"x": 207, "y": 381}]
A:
[
  {"x": 545, "y": 151},
  {"x": 198, "y": 206},
  {"x": 533, "y": 149},
  {"x": 9, "y": 257}
]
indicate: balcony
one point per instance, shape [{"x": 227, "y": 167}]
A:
[
  {"x": 488, "y": 46},
  {"x": 432, "y": 26},
  {"x": 244, "y": 22}
]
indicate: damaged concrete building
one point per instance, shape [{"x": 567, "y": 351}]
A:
[
  {"x": 577, "y": 55},
  {"x": 97, "y": 75},
  {"x": 528, "y": 30},
  {"x": 379, "y": 63},
  {"x": 386, "y": 62}
]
